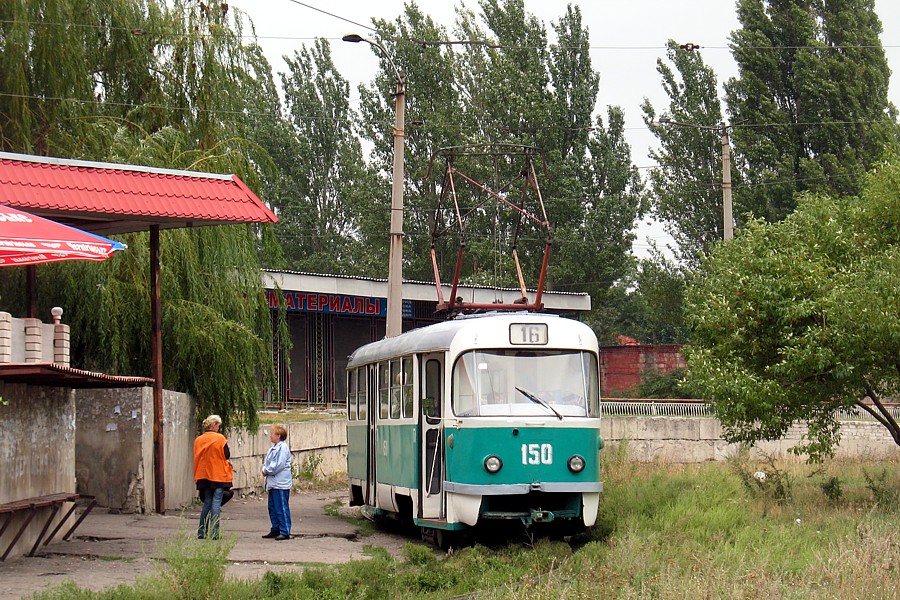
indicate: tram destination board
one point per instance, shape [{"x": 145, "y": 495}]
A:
[{"x": 528, "y": 334}]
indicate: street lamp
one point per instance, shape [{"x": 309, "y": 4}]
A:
[
  {"x": 722, "y": 128},
  {"x": 394, "y": 325}
]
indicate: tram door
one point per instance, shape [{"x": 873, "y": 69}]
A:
[
  {"x": 431, "y": 471},
  {"x": 372, "y": 397}
]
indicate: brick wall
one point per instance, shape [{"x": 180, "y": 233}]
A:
[{"x": 621, "y": 367}]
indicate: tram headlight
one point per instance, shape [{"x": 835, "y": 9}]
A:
[
  {"x": 492, "y": 463},
  {"x": 576, "y": 464}
]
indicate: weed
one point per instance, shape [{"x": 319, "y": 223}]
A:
[
  {"x": 832, "y": 488},
  {"x": 769, "y": 483},
  {"x": 310, "y": 468},
  {"x": 195, "y": 568},
  {"x": 882, "y": 492}
]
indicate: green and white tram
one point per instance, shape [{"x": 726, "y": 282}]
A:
[{"x": 485, "y": 418}]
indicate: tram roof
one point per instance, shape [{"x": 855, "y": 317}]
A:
[
  {"x": 437, "y": 337},
  {"x": 415, "y": 290}
]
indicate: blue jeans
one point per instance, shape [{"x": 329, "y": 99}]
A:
[
  {"x": 280, "y": 511},
  {"x": 211, "y": 513}
]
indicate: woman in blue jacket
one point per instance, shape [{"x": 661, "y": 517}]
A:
[{"x": 279, "y": 481}]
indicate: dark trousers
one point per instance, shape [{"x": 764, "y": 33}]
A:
[{"x": 280, "y": 511}]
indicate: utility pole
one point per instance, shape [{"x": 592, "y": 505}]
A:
[
  {"x": 722, "y": 128},
  {"x": 394, "y": 325},
  {"x": 727, "y": 217}
]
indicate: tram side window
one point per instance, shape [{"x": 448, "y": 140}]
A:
[
  {"x": 406, "y": 386},
  {"x": 431, "y": 396},
  {"x": 396, "y": 384},
  {"x": 351, "y": 395},
  {"x": 363, "y": 392},
  {"x": 384, "y": 388}
]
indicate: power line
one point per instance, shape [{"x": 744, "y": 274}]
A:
[
  {"x": 332, "y": 15},
  {"x": 162, "y": 34}
]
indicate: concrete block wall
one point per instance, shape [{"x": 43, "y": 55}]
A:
[
  {"x": 37, "y": 453},
  {"x": 114, "y": 448},
  {"x": 699, "y": 439},
  {"x": 326, "y": 440}
]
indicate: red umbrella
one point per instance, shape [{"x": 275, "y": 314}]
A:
[{"x": 27, "y": 239}]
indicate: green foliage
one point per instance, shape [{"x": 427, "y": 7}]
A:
[
  {"x": 769, "y": 482},
  {"x": 660, "y": 385},
  {"x": 309, "y": 470},
  {"x": 195, "y": 569},
  {"x": 523, "y": 91},
  {"x": 883, "y": 487},
  {"x": 686, "y": 194},
  {"x": 795, "y": 320},
  {"x": 832, "y": 488},
  {"x": 812, "y": 87}
]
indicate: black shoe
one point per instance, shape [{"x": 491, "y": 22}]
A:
[
  {"x": 271, "y": 535},
  {"x": 282, "y": 537}
]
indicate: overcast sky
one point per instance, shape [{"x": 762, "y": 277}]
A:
[{"x": 627, "y": 36}]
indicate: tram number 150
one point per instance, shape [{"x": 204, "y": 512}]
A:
[{"x": 537, "y": 454}]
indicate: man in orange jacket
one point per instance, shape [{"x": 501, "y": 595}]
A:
[{"x": 213, "y": 475}]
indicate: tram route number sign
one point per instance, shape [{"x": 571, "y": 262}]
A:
[{"x": 528, "y": 334}]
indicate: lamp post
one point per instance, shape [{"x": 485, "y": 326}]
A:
[
  {"x": 722, "y": 128},
  {"x": 395, "y": 257}
]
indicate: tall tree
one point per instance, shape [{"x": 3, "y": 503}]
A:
[
  {"x": 685, "y": 188},
  {"x": 413, "y": 46},
  {"x": 812, "y": 88},
  {"x": 321, "y": 199},
  {"x": 795, "y": 320}
]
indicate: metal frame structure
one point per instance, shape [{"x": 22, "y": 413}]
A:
[{"x": 452, "y": 174}]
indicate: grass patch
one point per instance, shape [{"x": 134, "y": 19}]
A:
[{"x": 664, "y": 531}]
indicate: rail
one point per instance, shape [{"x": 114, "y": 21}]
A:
[{"x": 626, "y": 407}]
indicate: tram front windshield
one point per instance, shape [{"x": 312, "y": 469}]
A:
[{"x": 526, "y": 383}]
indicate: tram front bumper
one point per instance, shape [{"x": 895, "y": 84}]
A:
[{"x": 527, "y": 517}]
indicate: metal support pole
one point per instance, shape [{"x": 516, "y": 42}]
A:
[{"x": 159, "y": 469}]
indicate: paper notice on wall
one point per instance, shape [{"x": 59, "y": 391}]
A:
[
  {"x": 111, "y": 427},
  {"x": 117, "y": 410},
  {"x": 134, "y": 414}
]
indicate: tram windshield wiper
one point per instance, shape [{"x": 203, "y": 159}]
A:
[{"x": 537, "y": 400}]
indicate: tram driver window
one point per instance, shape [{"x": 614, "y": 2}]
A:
[{"x": 463, "y": 386}]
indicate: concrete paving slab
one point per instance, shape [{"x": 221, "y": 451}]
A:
[{"x": 110, "y": 549}]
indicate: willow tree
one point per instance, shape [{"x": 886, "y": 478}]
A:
[{"x": 157, "y": 84}]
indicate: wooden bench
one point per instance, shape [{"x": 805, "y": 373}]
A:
[{"x": 55, "y": 501}]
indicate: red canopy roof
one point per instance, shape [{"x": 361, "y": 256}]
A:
[{"x": 111, "y": 198}]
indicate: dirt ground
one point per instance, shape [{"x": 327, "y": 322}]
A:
[{"x": 110, "y": 549}]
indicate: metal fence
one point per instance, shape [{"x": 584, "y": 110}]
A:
[{"x": 623, "y": 407}]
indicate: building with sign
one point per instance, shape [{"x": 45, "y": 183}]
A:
[{"x": 330, "y": 316}]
